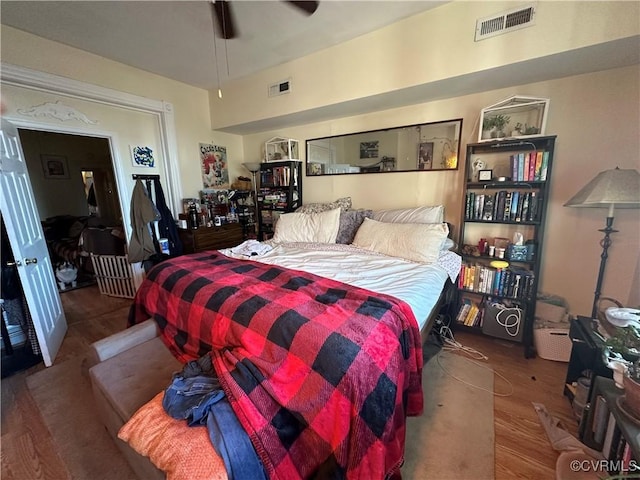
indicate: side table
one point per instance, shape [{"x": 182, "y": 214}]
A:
[{"x": 586, "y": 355}]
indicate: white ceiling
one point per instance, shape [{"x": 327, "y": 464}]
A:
[{"x": 175, "y": 38}]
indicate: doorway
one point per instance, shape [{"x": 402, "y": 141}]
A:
[{"x": 76, "y": 202}]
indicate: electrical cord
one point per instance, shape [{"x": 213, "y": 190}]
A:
[
  {"x": 452, "y": 345},
  {"x": 509, "y": 318}
]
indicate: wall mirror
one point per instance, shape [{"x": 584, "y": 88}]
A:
[{"x": 421, "y": 147}]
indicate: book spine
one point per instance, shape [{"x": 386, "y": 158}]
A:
[
  {"x": 520, "y": 167},
  {"x": 532, "y": 166},
  {"x": 536, "y": 175},
  {"x": 545, "y": 167}
]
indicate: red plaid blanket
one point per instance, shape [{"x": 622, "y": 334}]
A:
[{"x": 320, "y": 374}]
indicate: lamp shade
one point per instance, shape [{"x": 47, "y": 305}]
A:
[
  {"x": 252, "y": 166},
  {"x": 611, "y": 188}
]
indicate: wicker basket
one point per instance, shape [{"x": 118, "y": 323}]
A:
[
  {"x": 553, "y": 343},
  {"x": 241, "y": 185}
]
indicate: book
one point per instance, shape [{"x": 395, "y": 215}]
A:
[
  {"x": 525, "y": 173},
  {"x": 507, "y": 207},
  {"x": 487, "y": 209},
  {"x": 533, "y": 207},
  {"x": 500, "y": 199},
  {"x": 538, "y": 167},
  {"x": 520, "y": 167},
  {"x": 600, "y": 419},
  {"x": 544, "y": 167},
  {"x": 462, "y": 313},
  {"x": 513, "y": 160},
  {"x": 532, "y": 166},
  {"x": 515, "y": 196}
]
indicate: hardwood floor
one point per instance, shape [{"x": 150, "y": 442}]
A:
[
  {"x": 27, "y": 450},
  {"x": 522, "y": 449}
]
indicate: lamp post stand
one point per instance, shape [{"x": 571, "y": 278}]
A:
[{"x": 605, "y": 243}]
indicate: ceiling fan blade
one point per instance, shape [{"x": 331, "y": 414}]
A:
[
  {"x": 224, "y": 19},
  {"x": 307, "y": 7}
]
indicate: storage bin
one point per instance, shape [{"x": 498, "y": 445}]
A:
[
  {"x": 553, "y": 343},
  {"x": 503, "y": 322},
  {"x": 114, "y": 275}
]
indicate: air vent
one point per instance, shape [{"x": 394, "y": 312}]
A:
[
  {"x": 280, "y": 88},
  {"x": 505, "y": 22}
]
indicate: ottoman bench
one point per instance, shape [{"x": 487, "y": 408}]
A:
[{"x": 127, "y": 370}]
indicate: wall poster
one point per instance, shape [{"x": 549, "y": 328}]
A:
[{"x": 215, "y": 171}]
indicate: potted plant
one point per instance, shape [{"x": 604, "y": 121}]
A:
[
  {"x": 499, "y": 122},
  {"x": 621, "y": 350},
  {"x": 487, "y": 127}
]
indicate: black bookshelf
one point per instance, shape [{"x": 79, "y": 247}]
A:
[{"x": 512, "y": 198}]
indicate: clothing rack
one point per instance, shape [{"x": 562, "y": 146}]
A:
[{"x": 148, "y": 180}]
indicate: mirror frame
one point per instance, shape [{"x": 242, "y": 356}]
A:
[{"x": 434, "y": 145}]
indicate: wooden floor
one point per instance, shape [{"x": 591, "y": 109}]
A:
[{"x": 522, "y": 449}]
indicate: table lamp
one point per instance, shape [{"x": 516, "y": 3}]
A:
[{"x": 610, "y": 189}]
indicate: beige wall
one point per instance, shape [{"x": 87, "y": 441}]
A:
[
  {"x": 597, "y": 120},
  {"x": 422, "y": 49},
  {"x": 190, "y": 104},
  {"x": 595, "y": 116}
]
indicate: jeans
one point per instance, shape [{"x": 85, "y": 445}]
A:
[{"x": 199, "y": 400}]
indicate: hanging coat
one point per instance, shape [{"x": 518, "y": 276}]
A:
[
  {"x": 143, "y": 212},
  {"x": 167, "y": 224}
]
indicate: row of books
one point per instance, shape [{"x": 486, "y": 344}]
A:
[
  {"x": 273, "y": 199},
  {"x": 502, "y": 206},
  {"x": 470, "y": 314},
  {"x": 508, "y": 282},
  {"x": 529, "y": 166},
  {"x": 606, "y": 432},
  {"x": 279, "y": 176}
]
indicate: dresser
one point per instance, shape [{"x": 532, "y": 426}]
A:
[{"x": 211, "y": 238}]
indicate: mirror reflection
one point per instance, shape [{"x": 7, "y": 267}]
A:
[{"x": 427, "y": 146}]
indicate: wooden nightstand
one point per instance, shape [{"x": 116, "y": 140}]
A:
[{"x": 211, "y": 238}]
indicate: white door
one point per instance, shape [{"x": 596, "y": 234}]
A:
[{"x": 20, "y": 215}]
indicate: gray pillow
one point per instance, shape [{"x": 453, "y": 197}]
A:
[
  {"x": 350, "y": 221},
  {"x": 343, "y": 203}
]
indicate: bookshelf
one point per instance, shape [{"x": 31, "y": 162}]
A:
[
  {"x": 502, "y": 225},
  {"x": 280, "y": 192},
  {"x": 608, "y": 429}
]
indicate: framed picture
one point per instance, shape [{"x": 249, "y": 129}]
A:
[
  {"x": 142, "y": 156},
  {"x": 369, "y": 149},
  {"x": 55, "y": 166},
  {"x": 485, "y": 175},
  {"x": 425, "y": 156}
]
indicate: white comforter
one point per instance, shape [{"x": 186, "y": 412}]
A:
[{"x": 418, "y": 284}]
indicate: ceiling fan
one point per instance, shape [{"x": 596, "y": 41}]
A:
[{"x": 226, "y": 22}]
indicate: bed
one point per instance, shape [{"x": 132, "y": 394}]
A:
[{"x": 316, "y": 344}]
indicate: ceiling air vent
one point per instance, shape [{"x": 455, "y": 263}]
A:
[
  {"x": 280, "y": 88},
  {"x": 505, "y": 22}
]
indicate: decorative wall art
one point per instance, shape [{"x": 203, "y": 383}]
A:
[
  {"x": 55, "y": 166},
  {"x": 213, "y": 161},
  {"x": 425, "y": 156},
  {"x": 369, "y": 149},
  {"x": 142, "y": 156}
]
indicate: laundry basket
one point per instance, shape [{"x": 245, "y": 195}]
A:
[{"x": 114, "y": 275}]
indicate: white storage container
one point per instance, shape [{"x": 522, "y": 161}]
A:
[{"x": 553, "y": 343}]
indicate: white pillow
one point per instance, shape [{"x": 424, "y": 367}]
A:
[
  {"x": 429, "y": 214},
  {"x": 319, "y": 227},
  {"x": 417, "y": 242}
]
